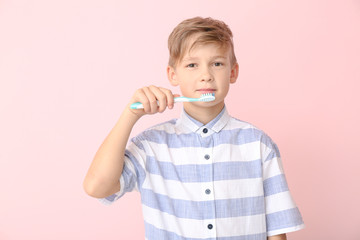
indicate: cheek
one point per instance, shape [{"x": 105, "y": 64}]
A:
[
  {"x": 228, "y": 74},
  {"x": 185, "y": 87},
  {"x": 223, "y": 74}
]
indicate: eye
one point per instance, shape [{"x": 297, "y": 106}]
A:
[
  {"x": 218, "y": 64},
  {"x": 191, "y": 65}
]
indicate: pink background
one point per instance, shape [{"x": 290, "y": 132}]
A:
[{"x": 68, "y": 68}]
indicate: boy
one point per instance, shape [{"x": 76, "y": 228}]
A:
[{"x": 205, "y": 175}]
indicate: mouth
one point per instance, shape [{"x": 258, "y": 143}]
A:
[{"x": 206, "y": 90}]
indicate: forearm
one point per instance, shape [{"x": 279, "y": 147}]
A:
[
  {"x": 277, "y": 237},
  {"x": 105, "y": 170}
]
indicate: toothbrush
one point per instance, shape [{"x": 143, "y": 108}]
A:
[{"x": 206, "y": 97}]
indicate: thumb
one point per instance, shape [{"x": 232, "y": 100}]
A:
[{"x": 177, "y": 95}]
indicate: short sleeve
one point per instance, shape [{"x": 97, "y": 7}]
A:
[
  {"x": 133, "y": 172},
  {"x": 282, "y": 214}
]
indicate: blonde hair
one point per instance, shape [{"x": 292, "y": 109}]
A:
[{"x": 208, "y": 30}]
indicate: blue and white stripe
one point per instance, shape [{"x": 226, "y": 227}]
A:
[{"x": 230, "y": 177}]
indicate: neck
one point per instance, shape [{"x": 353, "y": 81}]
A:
[{"x": 203, "y": 114}]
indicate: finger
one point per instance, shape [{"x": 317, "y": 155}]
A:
[
  {"x": 152, "y": 100},
  {"x": 169, "y": 97},
  {"x": 141, "y": 97},
  {"x": 161, "y": 97}
]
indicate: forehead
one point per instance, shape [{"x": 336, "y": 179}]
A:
[{"x": 195, "y": 49}]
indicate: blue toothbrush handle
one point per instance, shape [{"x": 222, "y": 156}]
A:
[{"x": 139, "y": 105}]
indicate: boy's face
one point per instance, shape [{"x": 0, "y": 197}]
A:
[{"x": 205, "y": 69}]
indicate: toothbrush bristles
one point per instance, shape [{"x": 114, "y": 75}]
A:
[{"x": 207, "y": 97}]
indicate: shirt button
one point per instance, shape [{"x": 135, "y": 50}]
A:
[
  {"x": 207, "y": 191},
  {"x": 205, "y": 130},
  {"x": 210, "y": 226},
  {"x": 207, "y": 156}
]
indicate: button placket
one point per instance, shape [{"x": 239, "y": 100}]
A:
[
  {"x": 208, "y": 185},
  {"x": 210, "y": 227},
  {"x": 205, "y": 132}
]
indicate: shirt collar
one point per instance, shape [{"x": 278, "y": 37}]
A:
[{"x": 218, "y": 123}]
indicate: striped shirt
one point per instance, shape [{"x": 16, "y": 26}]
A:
[{"x": 219, "y": 181}]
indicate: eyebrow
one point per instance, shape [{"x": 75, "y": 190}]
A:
[{"x": 195, "y": 58}]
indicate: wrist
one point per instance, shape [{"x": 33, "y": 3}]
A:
[{"x": 131, "y": 115}]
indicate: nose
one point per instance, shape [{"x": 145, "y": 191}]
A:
[{"x": 206, "y": 75}]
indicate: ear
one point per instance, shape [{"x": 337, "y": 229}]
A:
[
  {"x": 172, "y": 76},
  {"x": 234, "y": 73}
]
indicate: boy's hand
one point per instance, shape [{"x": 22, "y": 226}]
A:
[{"x": 149, "y": 96}]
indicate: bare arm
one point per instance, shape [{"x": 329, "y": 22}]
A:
[
  {"x": 104, "y": 173},
  {"x": 277, "y": 237},
  {"x": 102, "y": 178}
]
